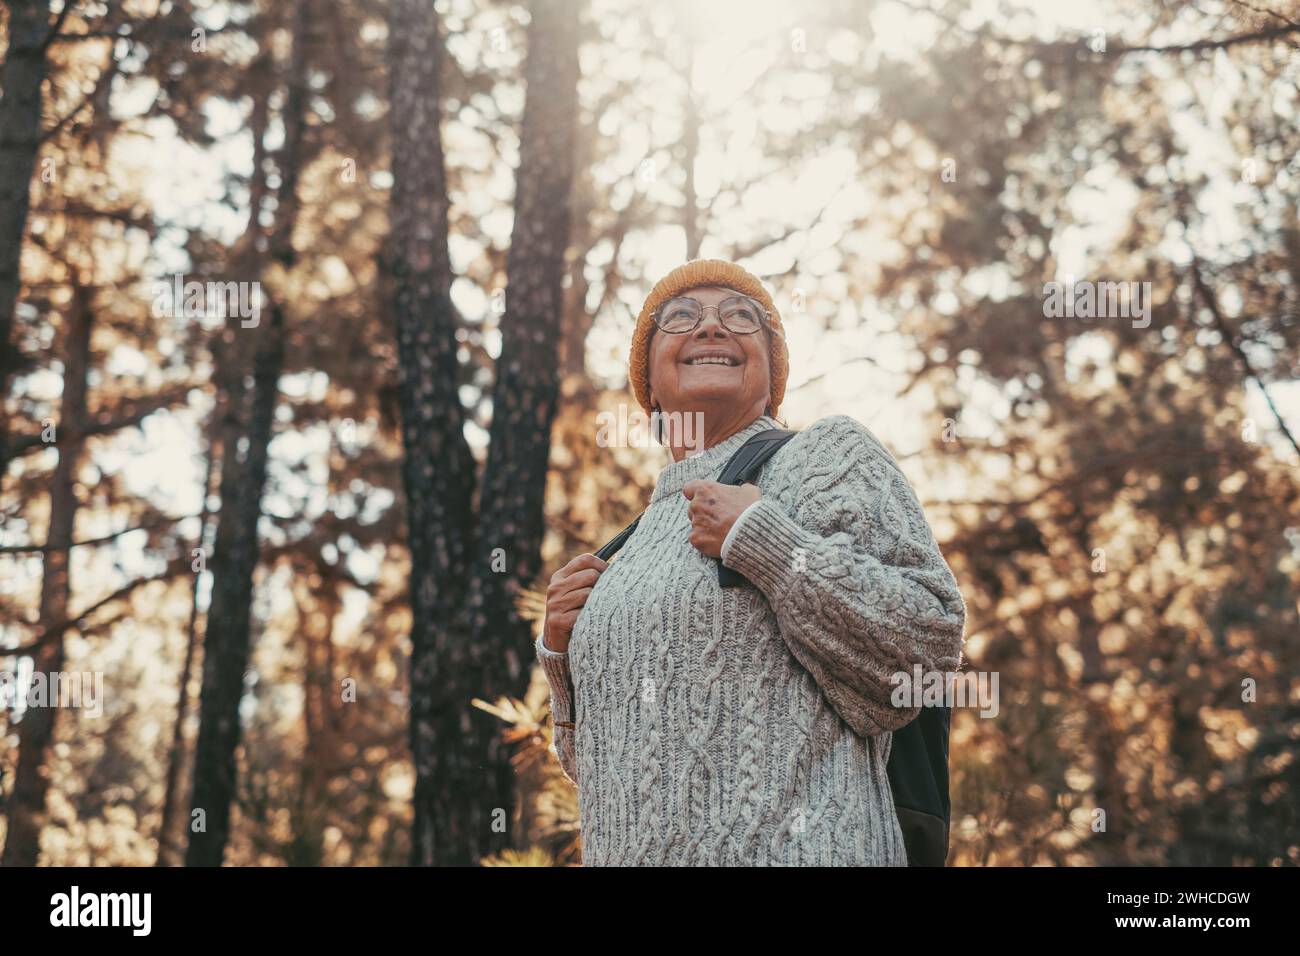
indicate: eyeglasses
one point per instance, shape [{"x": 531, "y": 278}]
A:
[{"x": 737, "y": 313}]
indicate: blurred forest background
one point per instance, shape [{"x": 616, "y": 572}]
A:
[{"x": 275, "y": 540}]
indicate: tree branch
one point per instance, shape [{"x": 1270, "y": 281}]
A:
[
  {"x": 1211, "y": 303},
  {"x": 58, "y": 23},
  {"x": 57, "y": 630},
  {"x": 102, "y": 425},
  {"x": 157, "y": 521},
  {"x": 1200, "y": 46}
]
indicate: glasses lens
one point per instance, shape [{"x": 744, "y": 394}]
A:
[
  {"x": 740, "y": 314},
  {"x": 679, "y": 315}
]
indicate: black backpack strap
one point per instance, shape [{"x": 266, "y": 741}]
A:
[
  {"x": 743, "y": 467},
  {"x": 745, "y": 464},
  {"x": 610, "y": 548}
]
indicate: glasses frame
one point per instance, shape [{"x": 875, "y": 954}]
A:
[{"x": 764, "y": 315}]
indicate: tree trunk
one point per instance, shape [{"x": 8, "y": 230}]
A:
[
  {"x": 691, "y": 151},
  {"x": 20, "y": 129},
  {"x": 36, "y": 730},
  {"x": 511, "y": 510},
  {"x": 227, "y": 644},
  {"x": 171, "y": 806},
  {"x": 437, "y": 467},
  {"x": 226, "y": 377}
]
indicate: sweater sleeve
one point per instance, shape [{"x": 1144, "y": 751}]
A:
[
  {"x": 555, "y": 665},
  {"x": 726, "y": 542},
  {"x": 867, "y": 600}
]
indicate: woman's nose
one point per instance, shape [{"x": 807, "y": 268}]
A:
[{"x": 711, "y": 325}]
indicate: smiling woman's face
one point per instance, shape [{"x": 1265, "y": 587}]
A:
[{"x": 681, "y": 379}]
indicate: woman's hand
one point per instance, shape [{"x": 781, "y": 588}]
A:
[
  {"x": 565, "y": 597},
  {"x": 714, "y": 509}
]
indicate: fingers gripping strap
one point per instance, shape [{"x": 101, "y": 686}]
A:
[{"x": 743, "y": 466}]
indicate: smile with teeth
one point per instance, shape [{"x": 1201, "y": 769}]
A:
[{"x": 712, "y": 360}]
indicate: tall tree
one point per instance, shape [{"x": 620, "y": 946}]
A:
[
  {"x": 21, "y": 80},
  {"x": 26, "y": 806},
  {"x": 227, "y": 641},
  {"x": 245, "y": 451},
  {"x": 437, "y": 466},
  {"x": 168, "y": 836},
  {"x": 80, "y": 247},
  {"x": 524, "y": 399},
  {"x": 457, "y": 655}
]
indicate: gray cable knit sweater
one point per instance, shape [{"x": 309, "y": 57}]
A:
[{"x": 751, "y": 726}]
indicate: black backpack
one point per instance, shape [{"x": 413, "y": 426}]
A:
[{"x": 918, "y": 753}]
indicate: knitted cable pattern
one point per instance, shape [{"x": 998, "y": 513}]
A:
[{"x": 750, "y": 726}]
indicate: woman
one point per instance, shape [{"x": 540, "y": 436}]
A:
[{"x": 751, "y": 725}]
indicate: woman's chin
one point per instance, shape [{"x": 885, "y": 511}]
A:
[
  {"x": 712, "y": 384},
  {"x": 711, "y": 395}
]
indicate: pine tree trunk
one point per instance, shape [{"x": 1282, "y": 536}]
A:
[
  {"x": 20, "y": 128},
  {"x": 451, "y": 794},
  {"x": 511, "y": 510},
  {"x": 226, "y": 378},
  {"x": 171, "y": 806},
  {"x": 227, "y": 645},
  {"x": 26, "y": 807}
]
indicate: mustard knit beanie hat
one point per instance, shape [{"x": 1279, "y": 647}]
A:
[{"x": 702, "y": 272}]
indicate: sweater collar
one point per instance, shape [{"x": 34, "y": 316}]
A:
[{"x": 708, "y": 463}]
